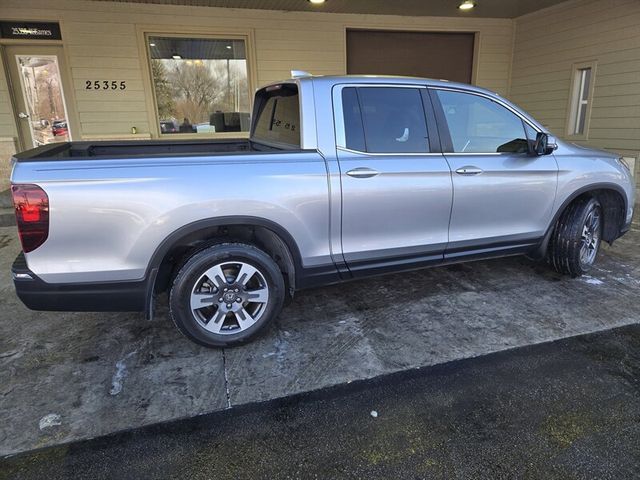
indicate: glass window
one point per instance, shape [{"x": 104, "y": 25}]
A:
[
  {"x": 44, "y": 100},
  {"x": 479, "y": 125},
  {"x": 393, "y": 120},
  {"x": 532, "y": 134},
  {"x": 353, "y": 131},
  {"x": 580, "y": 101},
  {"x": 278, "y": 118},
  {"x": 201, "y": 85}
]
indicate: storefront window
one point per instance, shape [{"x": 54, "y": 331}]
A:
[{"x": 201, "y": 85}]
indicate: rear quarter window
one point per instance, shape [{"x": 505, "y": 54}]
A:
[{"x": 278, "y": 116}]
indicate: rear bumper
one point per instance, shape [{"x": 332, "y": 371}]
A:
[{"x": 37, "y": 294}]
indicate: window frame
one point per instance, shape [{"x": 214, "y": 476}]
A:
[
  {"x": 433, "y": 142},
  {"x": 576, "y": 91},
  {"x": 145, "y": 32},
  {"x": 443, "y": 126}
]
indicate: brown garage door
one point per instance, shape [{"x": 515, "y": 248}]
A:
[{"x": 423, "y": 54}]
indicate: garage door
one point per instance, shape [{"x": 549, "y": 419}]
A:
[{"x": 423, "y": 54}]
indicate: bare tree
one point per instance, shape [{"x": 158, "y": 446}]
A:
[
  {"x": 201, "y": 87},
  {"x": 196, "y": 89},
  {"x": 49, "y": 93}
]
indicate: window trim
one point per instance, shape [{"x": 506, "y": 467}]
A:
[
  {"x": 339, "y": 128},
  {"x": 576, "y": 89},
  {"x": 443, "y": 126},
  {"x": 146, "y": 31}
]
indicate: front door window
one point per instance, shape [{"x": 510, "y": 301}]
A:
[{"x": 479, "y": 125}]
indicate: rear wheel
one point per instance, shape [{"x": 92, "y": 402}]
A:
[
  {"x": 576, "y": 238},
  {"x": 226, "y": 294}
]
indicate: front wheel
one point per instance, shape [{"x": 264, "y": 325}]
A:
[
  {"x": 576, "y": 238},
  {"x": 226, "y": 294}
]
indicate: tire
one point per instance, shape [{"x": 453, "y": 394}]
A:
[
  {"x": 576, "y": 237},
  {"x": 236, "y": 286}
]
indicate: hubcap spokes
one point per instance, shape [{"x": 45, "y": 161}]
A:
[
  {"x": 590, "y": 238},
  {"x": 229, "y": 297}
]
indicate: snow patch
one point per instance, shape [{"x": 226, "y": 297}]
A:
[
  {"x": 51, "y": 420},
  {"x": 121, "y": 372},
  {"x": 280, "y": 349}
]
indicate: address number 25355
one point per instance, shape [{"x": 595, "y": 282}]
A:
[{"x": 105, "y": 85}]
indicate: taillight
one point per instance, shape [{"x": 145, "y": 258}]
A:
[{"x": 32, "y": 215}]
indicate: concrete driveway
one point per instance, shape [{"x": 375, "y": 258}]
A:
[{"x": 66, "y": 377}]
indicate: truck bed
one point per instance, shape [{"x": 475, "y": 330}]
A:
[{"x": 140, "y": 148}]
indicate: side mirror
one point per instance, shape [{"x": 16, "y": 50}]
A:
[{"x": 544, "y": 144}]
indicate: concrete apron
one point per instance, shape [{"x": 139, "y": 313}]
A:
[{"x": 73, "y": 376}]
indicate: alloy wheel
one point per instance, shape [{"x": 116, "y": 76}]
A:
[
  {"x": 229, "y": 297},
  {"x": 590, "y": 238}
]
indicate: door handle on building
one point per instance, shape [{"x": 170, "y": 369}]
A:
[{"x": 363, "y": 172}]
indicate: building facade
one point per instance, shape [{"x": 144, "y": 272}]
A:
[{"x": 98, "y": 70}]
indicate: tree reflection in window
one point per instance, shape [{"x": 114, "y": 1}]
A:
[{"x": 200, "y": 84}]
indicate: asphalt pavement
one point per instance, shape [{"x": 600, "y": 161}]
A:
[{"x": 568, "y": 409}]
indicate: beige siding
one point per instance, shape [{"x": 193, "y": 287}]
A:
[
  {"x": 8, "y": 133},
  {"x": 547, "y": 45},
  {"x": 7, "y": 123},
  {"x": 7, "y": 149},
  {"x": 101, "y": 41}
]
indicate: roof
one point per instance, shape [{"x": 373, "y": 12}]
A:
[
  {"x": 393, "y": 79},
  {"x": 401, "y": 80},
  {"x": 411, "y": 8}
]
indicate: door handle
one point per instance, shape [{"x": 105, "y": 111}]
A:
[
  {"x": 469, "y": 170},
  {"x": 363, "y": 172}
]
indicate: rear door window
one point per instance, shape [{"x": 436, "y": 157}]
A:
[
  {"x": 384, "y": 120},
  {"x": 353, "y": 130}
]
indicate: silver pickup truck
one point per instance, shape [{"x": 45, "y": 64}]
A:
[{"x": 341, "y": 178}]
